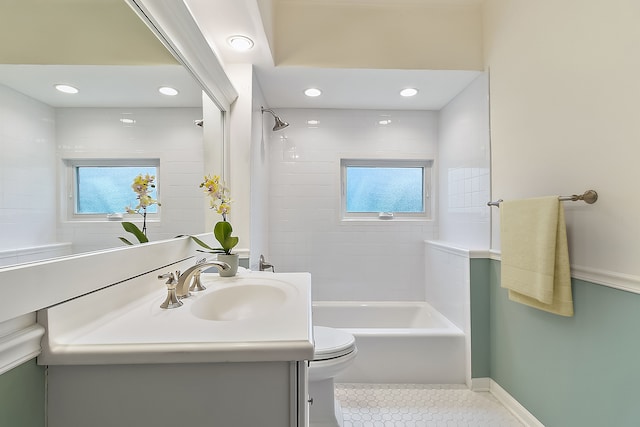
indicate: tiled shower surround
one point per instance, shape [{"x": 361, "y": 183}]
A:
[
  {"x": 34, "y": 140},
  {"x": 348, "y": 259},
  {"x": 167, "y": 134},
  {"x": 376, "y": 259},
  {"x": 27, "y": 171}
]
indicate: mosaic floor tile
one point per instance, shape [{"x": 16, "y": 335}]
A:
[{"x": 418, "y": 405}]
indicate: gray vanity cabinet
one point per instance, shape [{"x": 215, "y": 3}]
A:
[{"x": 244, "y": 394}]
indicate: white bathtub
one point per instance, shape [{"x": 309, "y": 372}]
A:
[{"x": 398, "y": 342}]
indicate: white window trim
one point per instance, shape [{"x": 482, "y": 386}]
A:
[
  {"x": 70, "y": 187},
  {"x": 427, "y": 164}
]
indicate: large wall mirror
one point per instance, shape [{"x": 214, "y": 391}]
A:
[{"x": 118, "y": 115}]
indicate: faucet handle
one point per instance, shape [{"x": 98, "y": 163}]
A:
[
  {"x": 196, "y": 284},
  {"x": 172, "y": 300},
  {"x": 170, "y": 276},
  {"x": 263, "y": 265}
]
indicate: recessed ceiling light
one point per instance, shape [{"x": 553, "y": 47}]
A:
[
  {"x": 240, "y": 43},
  {"x": 384, "y": 122},
  {"x": 313, "y": 92},
  {"x": 313, "y": 122},
  {"x": 169, "y": 91},
  {"x": 127, "y": 121},
  {"x": 409, "y": 92},
  {"x": 66, "y": 88}
]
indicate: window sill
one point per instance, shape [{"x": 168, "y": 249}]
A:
[
  {"x": 385, "y": 221},
  {"x": 104, "y": 219}
]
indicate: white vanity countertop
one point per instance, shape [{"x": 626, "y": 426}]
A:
[{"x": 125, "y": 325}]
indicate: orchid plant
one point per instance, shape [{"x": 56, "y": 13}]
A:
[
  {"x": 142, "y": 186},
  {"x": 218, "y": 195},
  {"x": 220, "y": 201}
]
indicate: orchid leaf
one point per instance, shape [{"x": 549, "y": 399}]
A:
[
  {"x": 133, "y": 229},
  {"x": 204, "y": 245},
  {"x": 125, "y": 241},
  {"x": 222, "y": 232}
]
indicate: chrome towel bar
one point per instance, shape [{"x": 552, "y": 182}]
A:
[{"x": 589, "y": 196}]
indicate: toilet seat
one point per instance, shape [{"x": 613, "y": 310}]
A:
[{"x": 331, "y": 343}]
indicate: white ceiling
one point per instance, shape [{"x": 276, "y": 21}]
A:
[
  {"x": 342, "y": 88},
  {"x": 136, "y": 86},
  {"x": 361, "y": 89},
  {"x": 104, "y": 85},
  {"x": 129, "y": 62}
]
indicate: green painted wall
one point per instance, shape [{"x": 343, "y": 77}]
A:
[
  {"x": 582, "y": 371},
  {"x": 480, "y": 315},
  {"x": 22, "y": 392}
]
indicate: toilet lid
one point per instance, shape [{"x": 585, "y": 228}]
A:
[{"x": 331, "y": 342}]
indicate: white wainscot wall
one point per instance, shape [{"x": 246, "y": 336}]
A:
[
  {"x": 447, "y": 286},
  {"x": 447, "y": 281},
  {"x": 34, "y": 253}
]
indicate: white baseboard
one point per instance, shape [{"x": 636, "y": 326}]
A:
[
  {"x": 519, "y": 411},
  {"x": 481, "y": 384}
]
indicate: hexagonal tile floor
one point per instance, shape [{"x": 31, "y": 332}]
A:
[{"x": 419, "y": 405}]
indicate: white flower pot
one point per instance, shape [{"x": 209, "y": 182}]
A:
[{"x": 232, "y": 260}]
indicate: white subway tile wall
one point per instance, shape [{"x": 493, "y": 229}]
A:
[
  {"x": 376, "y": 260},
  {"x": 165, "y": 133},
  {"x": 464, "y": 174},
  {"x": 348, "y": 260},
  {"x": 34, "y": 136},
  {"x": 447, "y": 283},
  {"x": 27, "y": 171}
]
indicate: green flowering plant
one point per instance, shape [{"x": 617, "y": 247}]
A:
[
  {"x": 142, "y": 186},
  {"x": 218, "y": 194}
]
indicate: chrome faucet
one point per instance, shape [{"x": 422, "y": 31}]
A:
[{"x": 184, "y": 279}]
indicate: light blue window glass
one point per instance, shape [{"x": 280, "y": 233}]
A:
[
  {"x": 385, "y": 189},
  {"x": 107, "y": 189}
]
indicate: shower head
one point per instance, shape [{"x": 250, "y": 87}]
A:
[
  {"x": 199, "y": 123},
  {"x": 279, "y": 124}
]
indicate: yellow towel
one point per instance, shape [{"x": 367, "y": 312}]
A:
[{"x": 535, "y": 255}]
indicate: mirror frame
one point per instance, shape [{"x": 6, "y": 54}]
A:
[{"x": 173, "y": 24}]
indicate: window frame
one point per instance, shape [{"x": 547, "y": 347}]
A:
[
  {"x": 71, "y": 186},
  {"x": 425, "y": 164}
]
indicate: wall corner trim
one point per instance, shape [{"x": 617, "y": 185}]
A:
[
  {"x": 19, "y": 341},
  {"x": 612, "y": 279},
  {"x": 455, "y": 249},
  {"x": 519, "y": 411}
]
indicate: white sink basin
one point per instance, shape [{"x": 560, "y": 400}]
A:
[
  {"x": 239, "y": 302},
  {"x": 253, "y": 316}
]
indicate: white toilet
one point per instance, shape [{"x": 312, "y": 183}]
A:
[{"x": 334, "y": 351}]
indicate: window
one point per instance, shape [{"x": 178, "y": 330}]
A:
[
  {"x": 385, "y": 189},
  {"x": 100, "y": 187}
]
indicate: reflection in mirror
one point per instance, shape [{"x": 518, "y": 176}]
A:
[{"x": 118, "y": 116}]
